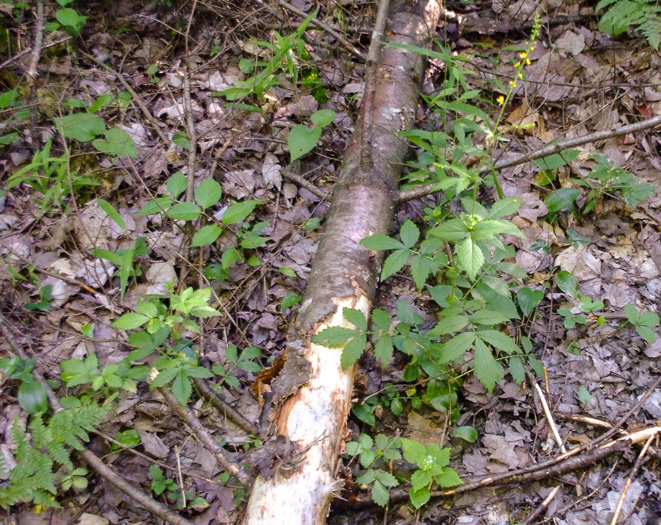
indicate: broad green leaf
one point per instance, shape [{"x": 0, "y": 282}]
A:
[
  {"x": 380, "y": 494},
  {"x": 381, "y": 242},
  {"x": 199, "y": 371},
  {"x": 148, "y": 309},
  {"x": 238, "y": 211},
  {"x": 557, "y": 160},
  {"x": 419, "y": 497},
  {"x": 177, "y": 184},
  {"x": 487, "y": 369},
  {"x": 449, "y": 325},
  {"x": 499, "y": 340},
  {"x": 632, "y": 313},
  {"x": 208, "y": 193},
  {"x": 420, "y": 479},
  {"x": 130, "y": 320},
  {"x": 117, "y": 142},
  {"x": 466, "y": 433},
  {"x": 504, "y": 207},
  {"x": 112, "y": 213},
  {"x": 164, "y": 377},
  {"x": 206, "y": 235},
  {"x": 356, "y": 318},
  {"x": 286, "y": 270},
  {"x": 353, "y": 350},
  {"x": 490, "y": 228},
  {"x": 184, "y": 211},
  {"x": 489, "y": 317},
  {"x": 420, "y": 270},
  {"x": 302, "y": 140},
  {"x": 71, "y": 20},
  {"x": 157, "y": 205},
  {"x": 383, "y": 349},
  {"x": 529, "y": 299},
  {"x": 81, "y": 126},
  {"x": 412, "y": 450},
  {"x": 32, "y": 397},
  {"x": 182, "y": 388},
  {"x": 517, "y": 370},
  {"x": 456, "y": 347},
  {"x": 409, "y": 233},
  {"x": 381, "y": 319},
  {"x": 323, "y": 117},
  {"x": 448, "y": 478},
  {"x": 648, "y": 319},
  {"x": 452, "y": 230},
  {"x": 394, "y": 263},
  {"x": 536, "y": 365},
  {"x": 470, "y": 257},
  {"x": 562, "y": 199},
  {"x": 440, "y": 294},
  {"x": 386, "y": 478},
  {"x": 334, "y": 336},
  {"x": 566, "y": 282},
  {"x": 584, "y": 395},
  {"x": 646, "y": 333}
]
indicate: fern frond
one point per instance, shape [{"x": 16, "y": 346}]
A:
[{"x": 640, "y": 15}]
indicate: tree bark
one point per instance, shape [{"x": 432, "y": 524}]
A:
[{"x": 311, "y": 396}]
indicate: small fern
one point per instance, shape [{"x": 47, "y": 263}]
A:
[
  {"x": 48, "y": 443},
  {"x": 641, "y": 15}
]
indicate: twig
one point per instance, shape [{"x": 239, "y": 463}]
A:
[
  {"x": 136, "y": 98},
  {"x": 29, "y": 50},
  {"x": 321, "y": 25},
  {"x": 545, "y": 504},
  {"x": 188, "y": 108},
  {"x": 225, "y": 408},
  {"x": 370, "y": 86},
  {"x": 549, "y": 416},
  {"x": 32, "y": 69},
  {"x": 204, "y": 436},
  {"x": 180, "y": 477},
  {"x": 549, "y": 149},
  {"x": 304, "y": 183},
  {"x": 636, "y": 466},
  {"x": 92, "y": 459}
]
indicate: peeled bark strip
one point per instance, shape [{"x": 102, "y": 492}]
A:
[{"x": 311, "y": 396}]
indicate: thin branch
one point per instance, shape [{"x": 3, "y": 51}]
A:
[
  {"x": 530, "y": 518},
  {"x": 29, "y": 50},
  {"x": 92, "y": 459},
  {"x": 188, "y": 109},
  {"x": 549, "y": 149},
  {"x": 205, "y": 437},
  {"x": 548, "y": 414},
  {"x": 304, "y": 183},
  {"x": 32, "y": 69}
]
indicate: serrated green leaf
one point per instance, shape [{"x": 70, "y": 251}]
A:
[
  {"x": 517, "y": 371},
  {"x": 206, "y": 235},
  {"x": 419, "y": 497},
  {"x": 383, "y": 350},
  {"x": 456, "y": 347},
  {"x": 409, "y": 233},
  {"x": 499, "y": 340},
  {"x": 238, "y": 211},
  {"x": 420, "y": 270},
  {"x": 648, "y": 319},
  {"x": 452, "y": 230},
  {"x": 302, "y": 140},
  {"x": 449, "y": 325},
  {"x": 466, "y": 433},
  {"x": 182, "y": 388},
  {"x": 448, "y": 478},
  {"x": 334, "y": 336},
  {"x": 487, "y": 369},
  {"x": 529, "y": 299},
  {"x": 117, "y": 142},
  {"x": 148, "y": 309},
  {"x": 353, "y": 350},
  {"x": 164, "y": 377},
  {"x": 208, "y": 193},
  {"x": 381, "y": 319},
  {"x": 386, "y": 478},
  {"x": 394, "y": 263},
  {"x": 420, "y": 479},
  {"x": 561, "y": 199},
  {"x": 489, "y": 317},
  {"x": 470, "y": 257},
  {"x": 356, "y": 318},
  {"x": 112, "y": 213},
  {"x": 557, "y": 160},
  {"x": 130, "y": 320},
  {"x": 381, "y": 242},
  {"x": 646, "y": 333},
  {"x": 412, "y": 450},
  {"x": 504, "y": 207},
  {"x": 323, "y": 117},
  {"x": 81, "y": 126},
  {"x": 184, "y": 211},
  {"x": 490, "y": 229},
  {"x": 177, "y": 184}
]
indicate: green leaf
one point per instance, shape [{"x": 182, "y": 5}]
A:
[
  {"x": 302, "y": 140},
  {"x": 286, "y": 270},
  {"x": 81, "y": 126},
  {"x": 449, "y": 325},
  {"x": 148, "y": 309},
  {"x": 380, "y": 494},
  {"x": 323, "y": 117},
  {"x": 452, "y": 230},
  {"x": 381, "y": 319},
  {"x": 184, "y": 211},
  {"x": 487, "y": 369},
  {"x": 470, "y": 257},
  {"x": 646, "y": 333},
  {"x": 71, "y": 20},
  {"x": 356, "y": 318},
  {"x": 412, "y": 450},
  {"x": 290, "y": 300},
  {"x": 394, "y": 263},
  {"x": 353, "y": 350},
  {"x": 529, "y": 299},
  {"x": 562, "y": 199},
  {"x": 177, "y": 184},
  {"x": 381, "y": 242},
  {"x": 584, "y": 395},
  {"x": 409, "y": 233},
  {"x": 504, "y": 207},
  {"x": 419, "y": 497},
  {"x": 206, "y": 235},
  {"x": 383, "y": 349},
  {"x": 238, "y": 211},
  {"x": 466, "y": 433},
  {"x": 420, "y": 479},
  {"x": 646, "y": 319},
  {"x": 208, "y": 193},
  {"x": 182, "y": 388},
  {"x": 386, "y": 478},
  {"x": 334, "y": 336},
  {"x": 117, "y": 142},
  {"x": 448, "y": 478},
  {"x": 440, "y": 294},
  {"x": 489, "y": 317},
  {"x": 499, "y": 340},
  {"x": 164, "y": 377},
  {"x": 557, "y": 160},
  {"x": 157, "y": 205},
  {"x": 456, "y": 347},
  {"x": 517, "y": 370},
  {"x": 32, "y": 397},
  {"x": 130, "y": 320},
  {"x": 566, "y": 282},
  {"x": 490, "y": 229},
  {"x": 420, "y": 270},
  {"x": 112, "y": 213}
]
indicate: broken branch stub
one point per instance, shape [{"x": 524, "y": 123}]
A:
[{"x": 311, "y": 397}]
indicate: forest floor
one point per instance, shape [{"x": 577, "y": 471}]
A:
[{"x": 63, "y": 282}]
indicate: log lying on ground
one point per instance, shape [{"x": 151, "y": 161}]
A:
[{"x": 311, "y": 396}]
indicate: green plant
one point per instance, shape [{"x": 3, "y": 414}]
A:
[
  {"x": 160, "y": 483},
  {"x": 302, "y": 139},
  {"x": 244, "y": 360},
  {"x": 124, "y": 258},
  {"x": 45, "y": 297},
  {"x": 68, "y": 19},
  {"x": 642, "y": 15},
  {"x": 643, "y": 322}
]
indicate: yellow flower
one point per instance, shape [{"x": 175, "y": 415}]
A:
[
  {"x": 500, "y": 99},
  {"x": 518, "y": 64},
  {"x": 520, "y": 75},
  {"x": 532, "y": 49},
  {"x": 512, "y": 83},
  {"x": 528, "y": 62},
  {"x": 524, "y": 54}
]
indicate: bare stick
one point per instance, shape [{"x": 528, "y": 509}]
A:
[
  {"x": 32, "y": 68},
  {"x": 321, "y": 25},
  {"x": 204, "y": 436},
  {"x": 304, "y": 183},
  {"x": 92, "y": 459},
  {"x": 188, "y": 109},
  {"x": 370, "y": 86},
  {"x": 549, "y": 416},
  {"x": 550, "y": 149},
  {"x": 530, "y": 518}
]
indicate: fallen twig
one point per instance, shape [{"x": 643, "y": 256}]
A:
[
  {"x": 304, "y": 183},
  {"x": 32, "y": 70},
  {"x": 530, "y": 518}
]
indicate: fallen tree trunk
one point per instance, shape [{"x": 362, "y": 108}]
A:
[{"x": 311, "y": 396}]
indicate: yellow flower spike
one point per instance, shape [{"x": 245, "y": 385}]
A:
[
  {"x": 532, "y": 49},
  {"x": 500, "y": 99},
  {"x": 528, "y": 62},
  {"x": 512, "y": 83},
  {"x": 520, "y": 75},
  {"x": 524, "y": 54},
  {"x": 518, "y": 64}
]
